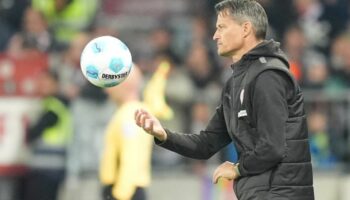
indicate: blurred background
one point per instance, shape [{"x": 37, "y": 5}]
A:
[{"x": 49, "y": 34}]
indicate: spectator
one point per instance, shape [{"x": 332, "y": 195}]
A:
[
  {"x": 322, "y": 156},
  {"x": 336, "y": 15},
  {"x": 315, "y": 28},
  {"x": 179, "y": 104},
  {"x": 68, "y": 67},
  {"x": 48, "y": 137},
  {"x": 67, "y": 17},
  {"x": 11, "y": 14},
  {"x": 161, "y": 40},
  {"x": 340, "y": 62},
  {"x": 316, "y": 73},
  {"x": 300, "y": 53},
  {"x": 281, "y": 15},
  {"x": 90, "y": 114},
  {"x": 34, "y": 35}
]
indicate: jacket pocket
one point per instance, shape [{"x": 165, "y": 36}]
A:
[
  {"x": 246, "y": 134},
  {"x": 253, "y": 184}
]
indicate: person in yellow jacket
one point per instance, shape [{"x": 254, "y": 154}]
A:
[
  {"x": 125, "y": 169},
  {"x": 48, "y": 138},
  {"x": 67, "y": 18}
]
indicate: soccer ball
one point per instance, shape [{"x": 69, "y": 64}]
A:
[{"x": 106, "y": 61}]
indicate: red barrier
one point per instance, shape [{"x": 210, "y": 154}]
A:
[{"x": 17, "y": 75}]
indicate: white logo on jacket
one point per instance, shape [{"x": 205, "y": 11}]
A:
[
  {"x": 241, "y": 96},
  {"x": 242, "y": 113}
]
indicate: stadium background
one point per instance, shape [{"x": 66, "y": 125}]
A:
[{"x": 315, "y": 35}]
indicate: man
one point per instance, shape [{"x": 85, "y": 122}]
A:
[
  {"x": 125, "y": 169},
  {"x": 67, "y": 18},
  {"x": 261, "y": 112},
  {"x": 48, "y": 138}
]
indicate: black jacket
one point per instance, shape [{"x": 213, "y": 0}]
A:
[{"x": 262, "y": 112}]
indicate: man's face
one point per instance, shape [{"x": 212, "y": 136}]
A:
[
  {"x": 46, "y": 84},
  {"x": 229, "y": 35}
]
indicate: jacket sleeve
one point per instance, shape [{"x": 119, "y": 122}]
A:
[
  {"x": 48, "y": 119},
  {"x": 269, "y": 96},
  {"x": 203, "y": 145}
]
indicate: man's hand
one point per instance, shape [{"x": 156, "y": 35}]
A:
[
  {"x": 150, "y": 124},
  {"x": 226, "y": 170}
]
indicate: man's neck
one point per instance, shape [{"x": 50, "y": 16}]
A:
[{"x": 245, "y": 49}]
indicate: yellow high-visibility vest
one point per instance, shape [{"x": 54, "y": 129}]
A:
[
  {"x": 49, "y": 151},
  {"x": 67, "y": 23},
  {"x": 59, "y": 134}
]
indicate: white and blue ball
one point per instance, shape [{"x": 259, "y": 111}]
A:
[{"x": 106, "y": 61}]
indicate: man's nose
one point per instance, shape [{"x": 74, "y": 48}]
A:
[{"x": 215, "y": 36}]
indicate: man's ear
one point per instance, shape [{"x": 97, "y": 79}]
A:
[{"x": 247, "y": 28}]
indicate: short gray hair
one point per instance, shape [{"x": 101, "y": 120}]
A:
[{"x": 246, "y": 10}]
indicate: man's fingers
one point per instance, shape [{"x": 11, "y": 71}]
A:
[
  {"x": 216, "y": 175},
  {"x": 148, "y": 127},
  {"x": 138, "y": 115},
  {"x": 143, "y": 119},
  {"x": 216, "y": 179}
]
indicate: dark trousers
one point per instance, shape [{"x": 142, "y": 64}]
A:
[
  {"x": 139, "y": 194},
  {"x": 43, "y": 184},
  {"x": 12, "y": 187}
]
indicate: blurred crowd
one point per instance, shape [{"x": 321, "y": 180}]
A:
[{"x": 315, "y": 35}]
